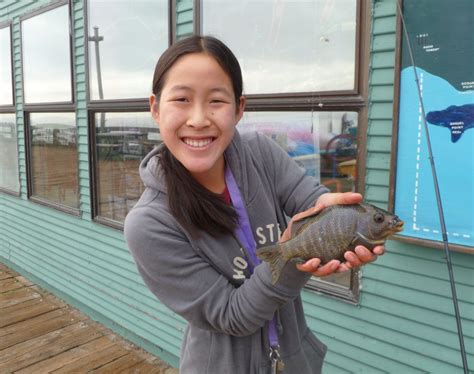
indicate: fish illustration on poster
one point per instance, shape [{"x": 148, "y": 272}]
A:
[{"x": 444, "y": 57}]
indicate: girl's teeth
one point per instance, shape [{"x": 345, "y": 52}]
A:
[{"x": 197, "y": 143}]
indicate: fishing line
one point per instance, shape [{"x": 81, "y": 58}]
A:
[{"x": 438, "y": 197}]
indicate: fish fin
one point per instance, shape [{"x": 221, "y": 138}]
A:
[
  {"x": 360, "y": 239},
  {"x": 273, "y": 256},
  {"x": 298, "y": 260}
]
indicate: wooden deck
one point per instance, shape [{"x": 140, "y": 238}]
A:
[{"x": 41, "y": 334}]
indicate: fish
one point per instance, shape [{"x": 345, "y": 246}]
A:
[{"x": 329, "y": 233}]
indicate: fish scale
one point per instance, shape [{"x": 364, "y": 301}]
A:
[{"x": 329, "y": 233}]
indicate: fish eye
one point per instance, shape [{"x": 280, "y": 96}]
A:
[{"x": 379, "y": 217}]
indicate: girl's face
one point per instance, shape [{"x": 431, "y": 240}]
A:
[{"x": 197, "y": 115}]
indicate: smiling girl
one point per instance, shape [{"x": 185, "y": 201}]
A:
[{"x": 192, "y": 234}]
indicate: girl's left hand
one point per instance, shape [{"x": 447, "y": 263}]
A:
[{"x": 359, "y": 257}]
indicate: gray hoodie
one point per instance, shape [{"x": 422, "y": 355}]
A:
[{"x": 207, "y": 282}]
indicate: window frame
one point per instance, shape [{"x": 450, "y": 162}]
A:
[
  {"x": 93, "y": 171},
  {"x": 355, "y": 100},
  {"x": 29, "y": 166},
  {"x": 11, "y": 109},
  {"x": 52, "y": 104},
  {"x": 111, "y": 105},
  {"x": 53, "y": 107}
]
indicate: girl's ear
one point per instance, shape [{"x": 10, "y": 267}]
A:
[
  {"x": 241, "y": 108},
  {"x": 154, "y": 104}
]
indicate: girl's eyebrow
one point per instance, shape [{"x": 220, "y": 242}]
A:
[
  {"x": 182, "y": 87},
  {"x": 220, "y": 90}
]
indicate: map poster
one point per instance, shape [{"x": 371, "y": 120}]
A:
[{"x": 441, "y": 35}]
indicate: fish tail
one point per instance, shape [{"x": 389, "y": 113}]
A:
[{"x": 273, "y": 255}]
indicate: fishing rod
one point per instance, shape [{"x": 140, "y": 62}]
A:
[{"x": 438, "y": 197}]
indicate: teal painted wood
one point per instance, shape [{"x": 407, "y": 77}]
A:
[
  {"x": 383, "y": 43},
  {"x": 380, "y": 110},
  {"x": 81, "y": 113},
  {"x": 184, "y": 18},
  {"x": 382, "y": 76},
  {"x": 381, "y": 93},
  {"x": 381, "y": 127}
]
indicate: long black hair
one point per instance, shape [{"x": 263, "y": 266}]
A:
[{"x": 195, "y": 207}]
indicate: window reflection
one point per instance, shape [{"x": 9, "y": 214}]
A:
[
  {"x": 47, "y": 79},
  {"x": 288, "y": 46},
  {"x": 54, "y": 158},
  {"x": 125, "y": 41},
  {"x": 6, "y": 93},
  {"x": 9, "y": 178},
  {"x": 323, "y": 143},
  {"x": 122, "y": 140}
]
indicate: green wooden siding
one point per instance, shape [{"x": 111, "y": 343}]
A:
[
  {"x": 404, "y": 322},
  {"x": 184, "y": 18}
]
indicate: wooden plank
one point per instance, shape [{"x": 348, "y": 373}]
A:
[
  {"x": 37, "y": 326},
  {"x": 6, "y": 275},
  {"x": 24, "y": 281},
  {"x": 146, "y": 368},
  {"x": 23, "y": 311},
  {"x": 94, "y": 360},
  {"x": 43, "y": 347},
  {"x": 10, "y": 284},
  {"x": 5, "y": 269},
  {"x": 65, "y": 358},
  {"x": 8, "y": 299},
  {"x": 119, "y": 365}
]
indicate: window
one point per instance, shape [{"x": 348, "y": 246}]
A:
[
  {"x": 6, "y": 82},
  {"x": 53, "y": 158},
  {"x": 289, "y": 43},
  {"x": 124, "y": 44},
  {"x": 47, "y": 79},
  {"x": 305, "y": 75},
  {"x": 49, "y": 108},
  {"x": 121, "y": 142},
  {"x": 9, "y": 178},
  {"x": 125, "y": 41}
]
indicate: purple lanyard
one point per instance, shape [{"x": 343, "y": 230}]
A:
[{"x": 245, "y": 236}]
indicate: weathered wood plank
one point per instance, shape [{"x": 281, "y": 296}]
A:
[
  {"x": 24, "y": 281},
  {"x": 76, "y": 354},
  {"x": 5, "y": 275},
  {"x": 94, "y": 360},
  {"x": 10, "y": 284},
  {"x": 17, "y": 296},
  {"x": 23, "y": 311},
  {"x": 146, "y": 368},
  {"x": 40, "y": 325},
  {"x": 43, "y": 347},
  {"x": 119, "y": 365}
]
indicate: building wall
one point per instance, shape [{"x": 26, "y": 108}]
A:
[
  {"x": 85, "y": 263},
  {"x": 403, "y": 323}
]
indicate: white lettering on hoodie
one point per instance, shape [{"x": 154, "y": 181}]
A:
[{"x": 240, "y": 265}]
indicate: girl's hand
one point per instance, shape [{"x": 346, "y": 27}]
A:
[{"x": 359, "y": 257}]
